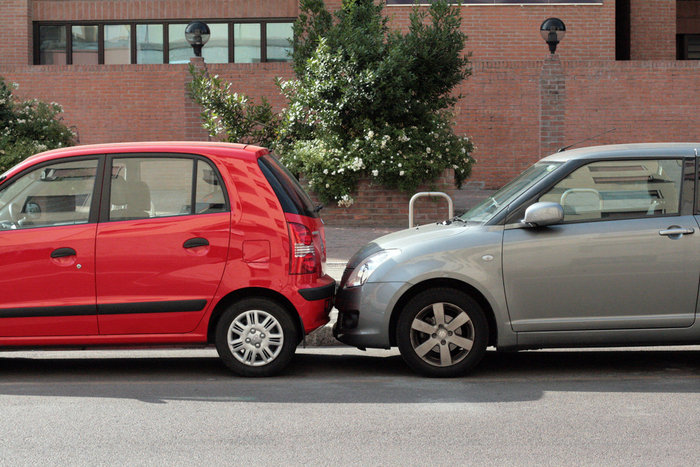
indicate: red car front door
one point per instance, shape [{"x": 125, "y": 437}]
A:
[{"x": 47, "y": 251}]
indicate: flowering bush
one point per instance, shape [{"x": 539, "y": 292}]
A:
[
  {"x": 28, "y": 127},
  {"x": 369, "y": 102},
  {"x": 366, "y": 101}
]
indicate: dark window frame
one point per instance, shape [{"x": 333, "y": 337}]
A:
[{"x": 165, "y": 23}]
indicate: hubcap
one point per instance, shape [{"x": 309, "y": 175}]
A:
[
  {"x": 255, "y": 338},
  {"x": 442, "y": 334}
]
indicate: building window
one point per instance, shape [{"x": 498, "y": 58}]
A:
[
  {"x": 233, "y": 41},
  {"x": 117, "y": 43},
  {"x": 247, "y": 43},
  {"x": 688, "y": 47},
  {"x": 52, "y": 45},
  {"x": 84, "y": 45},
  {"x": 149, "y": 43},
  {"x": 277, "y": 41}
]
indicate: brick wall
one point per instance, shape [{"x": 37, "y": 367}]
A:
[
  {"x": 644, "y": 100},
  {"x": 507, "y": 32},
  {"x": 653, "y": 29},
  {"x": 110, "y": 103},
  {"x": 69, "y": 10},
  {"x": 375, "y": 205},
  {"x": 504, "y": 108}
]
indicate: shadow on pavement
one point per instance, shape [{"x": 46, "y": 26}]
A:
[{"x": 353, "y": 378}]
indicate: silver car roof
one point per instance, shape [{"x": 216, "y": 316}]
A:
[{"x": 626, "y": 150}]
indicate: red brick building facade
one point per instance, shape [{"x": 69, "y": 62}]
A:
[{"x": 624, "y": 64}]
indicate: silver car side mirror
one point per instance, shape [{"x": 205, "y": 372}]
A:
[{"x": 544, "y": 213}]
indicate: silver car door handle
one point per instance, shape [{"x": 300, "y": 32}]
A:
[{"x": 677, "y": 231}]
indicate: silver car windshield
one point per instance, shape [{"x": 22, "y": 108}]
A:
[{"x": 484, "y": 211}]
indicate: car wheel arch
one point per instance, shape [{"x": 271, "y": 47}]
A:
[
  {"x": 252, "y": 292},
  {"x": 442, "y": 282}
]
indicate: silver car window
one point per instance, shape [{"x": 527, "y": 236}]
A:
[{"x": 622, "y": 189}]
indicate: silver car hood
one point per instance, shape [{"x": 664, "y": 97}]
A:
[{"x": 407, "y": 238}]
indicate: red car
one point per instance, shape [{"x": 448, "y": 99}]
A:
[{"x": 161, "y": 244}]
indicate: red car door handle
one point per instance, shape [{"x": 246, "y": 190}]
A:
[
  {"x": 195, "y": 242},
  {"x": 63, "y": 252}
]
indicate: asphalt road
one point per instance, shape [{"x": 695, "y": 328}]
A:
[{"x": 340, "y": 406}]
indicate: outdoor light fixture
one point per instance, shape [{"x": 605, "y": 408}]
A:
[
  {"x": 552, "y": 31},
  {"x": 197, "y": 34}
]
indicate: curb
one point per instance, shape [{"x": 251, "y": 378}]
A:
[{"x": 322, "y": 337}]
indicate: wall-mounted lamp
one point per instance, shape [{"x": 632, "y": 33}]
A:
[
  {"x": 552, "y": 31},
  {"x": 197, "y": 34}
]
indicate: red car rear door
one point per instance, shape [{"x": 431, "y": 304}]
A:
[{"x": 162, "y": 247}]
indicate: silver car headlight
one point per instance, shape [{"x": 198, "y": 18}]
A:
[{"x": 367, "y": 266}]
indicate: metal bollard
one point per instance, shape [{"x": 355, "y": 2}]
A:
[{"x": 450, "y": 206}]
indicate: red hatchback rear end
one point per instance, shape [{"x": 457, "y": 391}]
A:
[{"x": 162, "y": 243}]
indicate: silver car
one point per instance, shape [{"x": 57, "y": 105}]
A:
[{"x": 588, "y": 247}]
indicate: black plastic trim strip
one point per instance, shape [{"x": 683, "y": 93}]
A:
[
  {"x": 48, "y": 311},
  {"x": 175, "y": 306},
  {"x": 318, "y": 293}
]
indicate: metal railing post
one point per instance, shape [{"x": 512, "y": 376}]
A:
[{"x": 450, "y": 206}]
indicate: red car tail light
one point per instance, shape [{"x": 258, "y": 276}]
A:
[{"x": 304, "y": 260}]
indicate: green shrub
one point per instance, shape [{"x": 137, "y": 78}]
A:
[{"x": 28, "y": 127}]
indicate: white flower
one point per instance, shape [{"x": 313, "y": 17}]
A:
[
  {"x": 375, "y": 172},
  {"x": 345, "y": 201},
  {"x": 401, "y": 173},
  {"x": 400, "y": 164},
  {"x": 328, "y": 185},
  {"x": 325, "y": 171},
  {"x": 427, "y": 150}
]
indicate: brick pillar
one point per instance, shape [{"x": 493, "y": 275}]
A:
[
  {"x": 552, "y": 105},
  {"x": 16, "y": 21},
  {"x": 193, "y": 130},
  {"x": 653, "y": 29}
]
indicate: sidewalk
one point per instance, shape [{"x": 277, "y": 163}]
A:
[{"x": 341, "y": 244}]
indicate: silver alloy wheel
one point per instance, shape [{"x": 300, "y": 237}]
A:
[
  {"x": 255, "y": 338},
  {"x": 442, "y": 334}
]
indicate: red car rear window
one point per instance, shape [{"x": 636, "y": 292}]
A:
[{"x": 291, "y": 195}]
